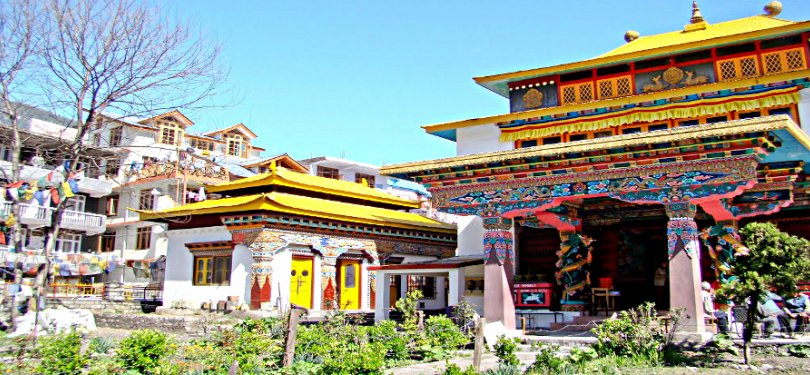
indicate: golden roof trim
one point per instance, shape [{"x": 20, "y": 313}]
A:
[
  {"x": 634, "y": 99},
  {"x": 717, "y": 129},
  {"x": 648, "y": 53}
]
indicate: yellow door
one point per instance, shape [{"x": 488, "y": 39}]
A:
[
  {"x": 350, "y": 285},
  {"x": 301, "y": 282}
]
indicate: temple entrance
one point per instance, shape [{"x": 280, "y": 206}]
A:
[
  {"x": 349, "y": 282},
  {"x": 632, "y": 259},
  {"x": 301, "y": 281}
]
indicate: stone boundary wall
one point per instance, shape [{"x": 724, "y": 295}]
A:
[
  {"x": 96, "y": 305},
  {"x": 175, "y": 324}
]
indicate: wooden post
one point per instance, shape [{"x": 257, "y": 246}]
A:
[
  {"x": 479, "y": 343},
  {"x": 292, "y": 332}
]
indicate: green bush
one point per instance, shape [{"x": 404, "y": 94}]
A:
[
  {"x": 504, "y": 369},
  {"x": 633, "y": 334},
  {"x": 385, "y": 333},
  {"x": 441, "y": 331},
  {"x": 104, "y": 366},
  {"x": 454, "y": 369},
  {"x": 61, "y": 354},
  {"x": 143, "y": 349},
  {"x": 547, "y": 360},
  {"x": 505, "y": 350},
  {"x": 100, "y": 345}
]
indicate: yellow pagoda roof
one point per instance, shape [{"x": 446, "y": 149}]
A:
[
  {"x": 645, "y": 47},
  {"x": 288, "y": 178},
  {"x": 304, "y": 206},
  {"x": 711, "y": 31}
]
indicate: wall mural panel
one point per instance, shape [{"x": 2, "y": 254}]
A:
[
  {"x": 537, "y": 96},
  {"x": 674, "y": 77}
]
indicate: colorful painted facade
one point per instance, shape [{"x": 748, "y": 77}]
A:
[
  {"x": 636, "y": 158},
  {"x": 286, "y": 237}
]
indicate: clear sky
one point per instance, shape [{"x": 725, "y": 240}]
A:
[{"x": 357, "y": 79}]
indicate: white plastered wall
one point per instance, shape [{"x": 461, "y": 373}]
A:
[
  {"x": 481, "y": 138},
  {"x": 180, "y": 269},
  {"x": 804, "y": 109}
]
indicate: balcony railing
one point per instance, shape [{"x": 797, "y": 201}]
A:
[{"x": 34, "y": 216}]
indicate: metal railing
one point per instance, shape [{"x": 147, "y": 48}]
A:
[
  {"x": 113, "y": 292},
  {"x": 38, "y": 216}
]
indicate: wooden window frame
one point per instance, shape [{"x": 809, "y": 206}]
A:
[
  {"x": 170, "y": 133},
  {"x": 106, "y": 242},
  {"x": 74, "y": 240},
  {"x": 146, "y": 201},
  {"x": 111, "y": 208},
  {"x": 116, "y": 135},
  {"x": 782, "y": 54},
  {"x": 370, "y": 179},
  {"x": 212, "y": 270},
  {"x": 578, "y": 98},
  {"x": 143, "y": 238},
  {"x": 737, "y": 61},
  {"x": 328, "y": 172},
  {"x": 427, "y": 284},
  {"x": 614, "y": 83}
]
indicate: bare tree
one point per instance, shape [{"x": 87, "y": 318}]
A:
[
  {"x": 18, "y": 47},
  {"x": 102, "y": 58}
]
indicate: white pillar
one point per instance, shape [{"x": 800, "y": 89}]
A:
[
  {"x": 317, "y": 288},
  {"x": 455, "y": 281},
  {"x": 383, "y": 296}
]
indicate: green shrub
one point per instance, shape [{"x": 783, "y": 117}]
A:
[
  {"x": 633, "y": 334},
  {"x": 505, "y": 350},
  {"x": 407, "y": 306},
  {"x": 104, "y": 366},
  {"x": 348, "y": 358},
  {"x": 504, "y": 369},
  {"x": 454, "y": 369},
  {"x": 143, "y": 349},
  {"x": 547, "y": 360},
  {"x": 579, "y": 357},
  {"x": 100, "y": 345},
  {"x": 61, "y": 354},
  {"x": 441, "y": 331},
  {"x": 385, "y": 333}
]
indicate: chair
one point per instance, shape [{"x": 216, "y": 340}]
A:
[{"x": 602, "y": 299}]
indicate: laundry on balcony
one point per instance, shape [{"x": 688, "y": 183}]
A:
[
  {"x": 84, "y": 264},
  {"x": 140, "y": 267}
]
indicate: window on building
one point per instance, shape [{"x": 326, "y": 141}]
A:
[
  {"x": 76, "y": 203},
  {"x": 746, "y": 115},
  {"x": 603, "y": 134},
  {"x": 170, "y": 133},
  {"x": 552, "y": 140},
  {"x": 212, "y": 270},
  {"x": 111, "y": 169},
  {"x": 97, "y": 139},
  {"x": 328, "y": 172},
  {"x": 689, "y": 123},
  {"x": 528, "y": 143},
  {"x": 201, "y": 144},
  {"x": 107, "y": 244},
  {"x": 577, "y": 137},
  {"x": 359, "y": 177},
  {"x": 716, "y": 119},
  {"x": 147, "y": 200},
  {"x": 68, "y": 243},
  {"x": 781, "y": 111},
  {"x": 657, "y": 127},
  {"x": 236, "y": 145},
  {"x": 426, "y": 284},
  {"x": 115, "y": 136},
  {"x": 112, "y": 205},
  {"x": 5, "y": 154},
  {"x": 631, "y": 130},
  {"x": 143, "y": 239}
]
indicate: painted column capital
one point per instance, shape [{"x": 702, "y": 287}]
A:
[
  {"x": 680, "y": 210},
  {"x": 497, "y": 223}
]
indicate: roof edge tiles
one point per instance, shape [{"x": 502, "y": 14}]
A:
[
  {"x": 767, "y": 123},
  {"x": 288, "y": 178},
  {"x": 303, "y": 206}
]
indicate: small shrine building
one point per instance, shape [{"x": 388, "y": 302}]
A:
[
  {"x": 648, "y": 156},
  {"x": 286, "y": 237}
]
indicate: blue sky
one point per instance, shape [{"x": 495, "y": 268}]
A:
[{"x": 357, "y": 79}]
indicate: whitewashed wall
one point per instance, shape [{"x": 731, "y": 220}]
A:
[
  {"x": 180, "y": 269},
  {"x": 804, "y": 109},
  {"x": 478, "y": 139}
]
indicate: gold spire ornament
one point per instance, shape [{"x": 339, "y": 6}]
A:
[
  {"x": 773, "y": 9},
  {"x": 696, "y": 16},
  {"x": 631, "y": 35}
]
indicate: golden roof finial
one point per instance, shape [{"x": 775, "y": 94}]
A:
[
  {"x": 696, "y": 16},
  {"x": 631, "y": 35},
  {"x": 773, "y": 9}
]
